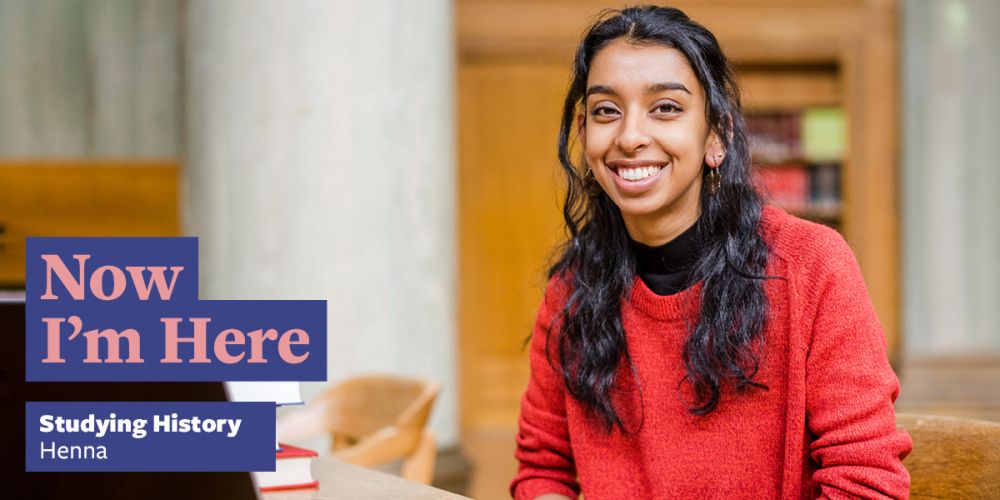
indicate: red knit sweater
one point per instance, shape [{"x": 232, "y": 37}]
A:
[{"x": 824, "y": 428}]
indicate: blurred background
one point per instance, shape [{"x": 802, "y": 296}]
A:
[{"x": 397, "y": 158}]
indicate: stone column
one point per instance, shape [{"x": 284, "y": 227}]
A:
[{"x": 320, "y": 163}]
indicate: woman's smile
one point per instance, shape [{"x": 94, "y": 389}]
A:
[{"x": 634, "y": 178}]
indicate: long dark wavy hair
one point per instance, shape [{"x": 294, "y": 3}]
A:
[{"x": 597, "y": 261}]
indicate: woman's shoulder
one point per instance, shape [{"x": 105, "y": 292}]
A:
[{"x": 804, "y": 245}]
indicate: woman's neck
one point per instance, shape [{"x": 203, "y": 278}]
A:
[{"x": 655, "y": 231}]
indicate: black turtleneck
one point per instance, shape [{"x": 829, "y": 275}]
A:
[{"x": 667, "y": 269}]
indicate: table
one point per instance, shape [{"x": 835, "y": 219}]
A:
[{"x": 339, "y": 480}]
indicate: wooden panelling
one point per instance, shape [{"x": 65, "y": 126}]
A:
[
  {"x": 870, "y": 175},
  {"x": 790, "y": 87},
  {"x": 82, "y": 198},
  {"x": 509, "y": 221},
  {"x": 953, "y": 385},
  {"x": 552, "y": 28}
]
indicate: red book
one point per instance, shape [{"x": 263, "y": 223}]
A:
[
  {"x": 786, "y": 186},
  {"x": 292, "y": 470}
]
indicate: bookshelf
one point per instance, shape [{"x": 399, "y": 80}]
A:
[
  {"x": 801, "y": 63},
  {"x": 797, "y": 123}
]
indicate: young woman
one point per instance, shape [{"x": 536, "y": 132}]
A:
[{"x": 693, "y": 343}]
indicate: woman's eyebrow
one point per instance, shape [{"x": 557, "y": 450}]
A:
[
  {"x": 652, "y": 89},
  {"x": 664, "y": 86},
  {"x": 601, "y": 89}
]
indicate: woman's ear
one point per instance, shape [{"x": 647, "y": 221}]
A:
[
  {"x": 581, "y": 129},
  {"x": 714, "y": 152}
]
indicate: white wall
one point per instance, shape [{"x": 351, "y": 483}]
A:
[
  {"x": 951, "y": 179},
  {"x": 84, "y": 78}
]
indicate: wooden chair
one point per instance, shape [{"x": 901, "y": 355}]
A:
[
  {"x": 372, "y": 421},
  {"x": 952, "y": 457}
]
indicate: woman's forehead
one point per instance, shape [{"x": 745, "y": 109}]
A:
[{"x": 629, "y": 67}]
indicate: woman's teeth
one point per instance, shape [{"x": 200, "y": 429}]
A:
[{"x": 637, "y": 174}]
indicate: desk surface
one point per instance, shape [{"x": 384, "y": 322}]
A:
[{"x": 338, "y": 480}]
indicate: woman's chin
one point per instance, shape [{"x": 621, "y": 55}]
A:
[
  {"x": 657, "y": 210},
  {"x": 640, "y": 208}
]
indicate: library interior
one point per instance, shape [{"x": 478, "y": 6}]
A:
[{"x": 398, "y": 160}]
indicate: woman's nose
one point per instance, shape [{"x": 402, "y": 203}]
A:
[{"x": 633, "y": 136}]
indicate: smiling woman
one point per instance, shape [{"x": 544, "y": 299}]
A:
[
  {"x": 693, "y": 343},
  {"x": 645, "y": 135}
]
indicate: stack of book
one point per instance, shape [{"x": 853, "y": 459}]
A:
[
  {"x": 292, "y": 464},
  {"x": 786, "y": 186},
  {"x": 798, "y": 157},
  {"x": 292, "y": 470},
  {"x": 775, "y": 137}
]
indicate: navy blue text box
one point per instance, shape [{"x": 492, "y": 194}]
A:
[
  {"x": 144, "y": 355},
  {"x": 250, "y": 449},
  {"x": 148, "y": 320}
]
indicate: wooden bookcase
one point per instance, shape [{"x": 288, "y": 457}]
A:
[{"x": 513, "y": 61}]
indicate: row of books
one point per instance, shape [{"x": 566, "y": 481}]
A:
[
  {"x": 811, "y": 135},
  {"x": 293, "y": 465},
  {"x": 805, "y": 189}
]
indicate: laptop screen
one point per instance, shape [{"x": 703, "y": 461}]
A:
[{"x": 14, "y": 392}]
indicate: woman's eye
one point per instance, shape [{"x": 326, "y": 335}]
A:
[
  {"x": 667, "y": 108},
  {"x": 604, "y": 111}
]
